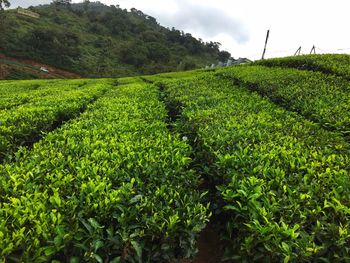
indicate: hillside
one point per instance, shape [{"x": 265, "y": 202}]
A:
[
  {"x": 95, "y": 40},
  {"x": 247, "y": 163}
]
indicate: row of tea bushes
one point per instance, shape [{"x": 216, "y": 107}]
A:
[
  {"x": 14, "y": 93},
  {"x": 110, "y": 186},
  {"x": 24, "y": 124},
  {"x": 172, "y": 75},
  {"x": 319, "y": 97},
  {"x": 335, "y": 64},
  {"x": 283, "y": 181}
]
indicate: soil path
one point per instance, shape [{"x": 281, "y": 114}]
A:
[{"x": 210, "y": 248}]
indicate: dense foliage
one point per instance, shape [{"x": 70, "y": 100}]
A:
[
  {"x": 335, "y": 64},
  {"x": 4, "y": 3},
  {"x": 284, "y": 181},
  {"x": 319, "y": 97},
  {"x": 111, "y": 186},
  {"x": 143, "y": 162},
  {"x": 93, "y": 39},
  {"x": 27, "y": 109}
]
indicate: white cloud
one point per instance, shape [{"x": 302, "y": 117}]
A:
[{"x": 207, "y": 21}]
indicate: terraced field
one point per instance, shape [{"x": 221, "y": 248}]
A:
[{"x": 137, "y": 169}]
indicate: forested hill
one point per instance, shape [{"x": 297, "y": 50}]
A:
[{"x": 95, "y": 40}]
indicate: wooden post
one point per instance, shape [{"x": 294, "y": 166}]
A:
[
  {"x": 297, "y": 53},
  {"x": 313, "y": 50},
  {"x": 267, "y": 38}
]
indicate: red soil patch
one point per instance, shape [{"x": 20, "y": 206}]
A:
[{"x": 33, "y": 67}]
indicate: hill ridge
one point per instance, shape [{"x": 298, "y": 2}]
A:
[{"x": 96, "y": 40}]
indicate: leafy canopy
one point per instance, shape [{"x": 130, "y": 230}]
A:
[{"x": 3, "y": 4}]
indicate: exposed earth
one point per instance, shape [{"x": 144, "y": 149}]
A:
[{"x": 12, "y": 67}]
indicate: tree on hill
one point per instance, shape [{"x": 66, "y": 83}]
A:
[
  {"x": 86, "y": 5},
  {"x": 3, "y": 27},
  {"x": 3, "y": 4},
  {"x": 57, "y": 47},
  {"x": 157, "y": 52},
  {"x": 62, "y": 3},
  {"x": 134, "y": 53},
  {"x": 224, "y": 56}
]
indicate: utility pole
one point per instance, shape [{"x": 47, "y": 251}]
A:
[
  {"x": 313, "y": 50},
  {"x": 297, "y": 53},
  {"x": 267, "y": 38}
]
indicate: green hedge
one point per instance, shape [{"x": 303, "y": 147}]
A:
[
  {"x": 335, "y": 64},
  {"x": 114, "y": 185},
  {"x": 41, "y": 109},
  {"x": 282, "y": 182},
  {"x": 16, "y": 93},
  {"x": 319, "y": 97}
]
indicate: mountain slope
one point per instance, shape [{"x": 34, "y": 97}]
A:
[{"x": 95, "y": 40}]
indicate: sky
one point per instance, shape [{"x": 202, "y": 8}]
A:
[{"x": 241, "y": 25}]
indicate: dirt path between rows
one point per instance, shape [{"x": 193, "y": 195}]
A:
[{"x": 210, "y": 247}]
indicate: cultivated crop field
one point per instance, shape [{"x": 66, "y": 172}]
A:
[{"x": 135, "y": 169}]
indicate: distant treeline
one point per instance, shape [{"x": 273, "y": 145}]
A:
[{"x": 93, "y": 40}]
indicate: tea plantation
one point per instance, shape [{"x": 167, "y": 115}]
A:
[{"x": 134, "y": 169}]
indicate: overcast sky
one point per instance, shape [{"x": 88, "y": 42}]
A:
[{"x": 241, "y": 25}]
